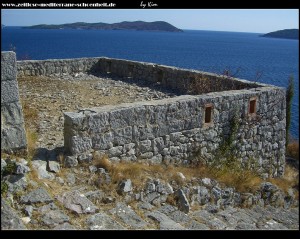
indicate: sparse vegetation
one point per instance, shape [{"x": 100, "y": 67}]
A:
[
  {"x": 101, "y": 161},
  {"x": 10, "y": 168},
  {"x": 293, "y": 149},
  {"x": 289, "y": 98},
  {"x": 31, "y": 126},
  {"x": 61, "y": 159},
  {"x": 31, "y": 137},
  {"x": 230, "y": 175},
  {"x": 226, "y": 166},
  {"x": 171, "y": 200},
  {"x": 289, "y": 180},
  {"x": 30, "y": 115},
  {"x": 4, "y": 188}
]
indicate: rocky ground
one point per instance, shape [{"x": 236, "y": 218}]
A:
[
  {"x": 51, "y": 96},
  {"x": 43, "y": 194},
  {"x": 78, "y": 198}
]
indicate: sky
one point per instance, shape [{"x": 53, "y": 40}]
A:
[{"x": 236, "y": 20}]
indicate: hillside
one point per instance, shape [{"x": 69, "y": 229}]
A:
[
  {"x": 136, "y": 25},
  {"x": 286, "y": 34},
  {"x": 47, "y": 192}
]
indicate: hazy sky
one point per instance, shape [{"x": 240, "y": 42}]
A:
[{"x": 239, "y": 20}]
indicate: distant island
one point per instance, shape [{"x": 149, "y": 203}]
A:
[
  {"x": 286, "y": 34},
  {"x": 136, "y": 25}
]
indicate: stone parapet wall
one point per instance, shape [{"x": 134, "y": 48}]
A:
[
  {"x": 52, "y": 67},
  {"x": 13, "y": 136},
  {"x": 182, "y": 80},
  {"x": 174, "y": 129}
]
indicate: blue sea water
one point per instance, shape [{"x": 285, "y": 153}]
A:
[{"x": 247, "y": 55}]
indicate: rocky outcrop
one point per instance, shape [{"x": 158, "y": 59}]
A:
[
  {"x": 199, "y": 204},
  {"x": 10, "y": 220}
]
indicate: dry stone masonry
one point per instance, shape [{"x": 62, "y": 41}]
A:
[
  {"x": 13, "y": 135},
  {"x": 175, "y": 129}
]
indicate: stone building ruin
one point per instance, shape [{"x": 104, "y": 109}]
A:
[{"x": 172, "y": 129}]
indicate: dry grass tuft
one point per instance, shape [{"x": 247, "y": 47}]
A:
[
  {"x": 61, "y": 159},
  {"x": 31, "y": 125},
  {"x": 242, "y": 180},
  {"x": 177, "y": 178},
  {"x": 290, "y": 179},
  {"x": 30, "y": 114},
  {"x": 293, "y": 149},
  {"x": 31, "y": 137},
  {"x": 171, "y": 200},
  {"x": 101, "y": 161},
  {"x": 137, "y": 172},
  {"x": 33, "y": 175}
]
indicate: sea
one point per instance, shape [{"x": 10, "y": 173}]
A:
[{"x": 245, "y": 55}]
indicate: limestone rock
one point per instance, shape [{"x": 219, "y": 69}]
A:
[
  {"x": 163, "y": 188},
  {"x": 70, "y": 179},
  {"x": 86, "y": 157},
  {"x": 207, "y": 182},
  {"x": 97, "y": 195},
  {"x": 64, "y": 226},
  {"x": 39, "y": 195},
  {"x": 21, "y": 168},
  {"x": 16, "y": 183},
  {"x": 25, "y": 220},
  {"x": 125, "y": 186},
  {"x": 201, "y": 195},
  {"x": 271, "y": 194},
  {"x": 60, "y": 180},
  {"x": 102, "y": 221},
  {"x": 41, "y": 167},
  {"x": 128, "y": 216},
  {"x": 3, "y": 165},
  {"x": 145, "y": 206},
  {"x": 150, "y": 187},
  {"x": 165, "y": 223},
  {"x": 9, "y": 218},
  {"x": 54, "y": 166},
  {"x": 216, "y": 193},
  {"x": 46, "y": 208},
  {"x": 150, "y": 197},
  {"x": 181, "y": 176},
  {"x": 93, "y": 168},
  {"x": 77, "y": 202},
  {"x": 70, "y": 161},
  {"x": 54, "y": 217},
  {"x": 183, "y": 203},
  {"x": 28, "y": 210},
  {"x": 194, "y": 225}
]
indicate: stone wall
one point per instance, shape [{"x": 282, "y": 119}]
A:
[
  {"x": 174, "y": 129},
  {"x": 52, "y": 67},
  {"x": 183, "y": 80},
  {"x": 13, "y": 136}
]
